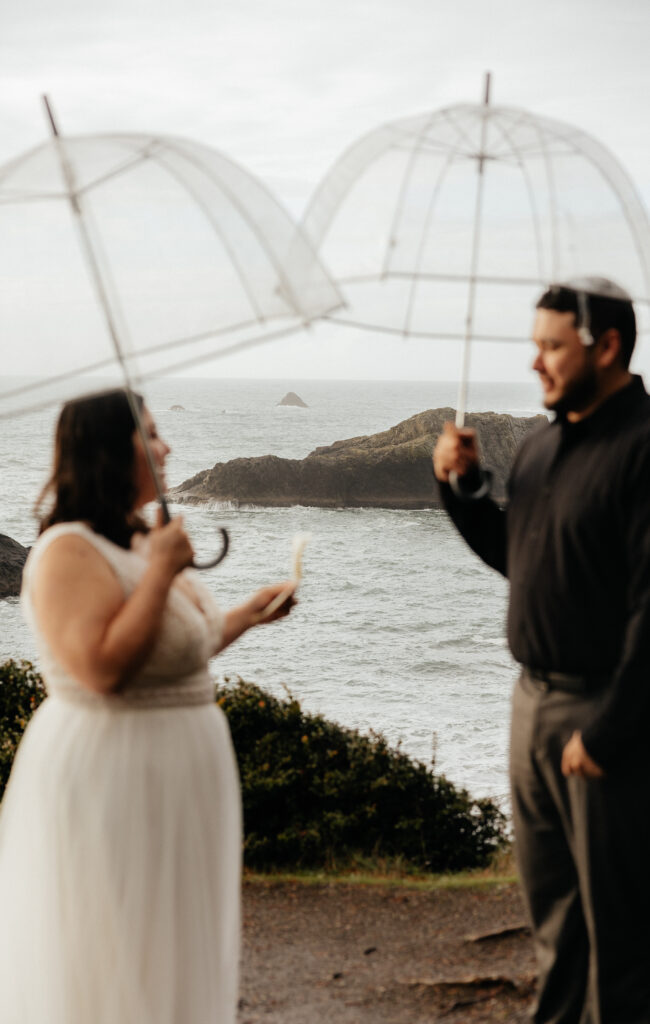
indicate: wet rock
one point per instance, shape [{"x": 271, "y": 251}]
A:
[
  {"x": 391, "y": 469},
  {"x": 12, "y": 560}
]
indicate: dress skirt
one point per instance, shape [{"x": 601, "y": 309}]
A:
[{"x": 120, "y": 848}]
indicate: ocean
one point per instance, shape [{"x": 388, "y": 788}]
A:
[{"x": 399, "y": 629}]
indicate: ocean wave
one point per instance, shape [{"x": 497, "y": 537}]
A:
[{"x": 493, "y": 641}]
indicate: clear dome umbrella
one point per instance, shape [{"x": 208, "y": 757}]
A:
[
  {"x": 448, "y": 225},
  {"x": 125, "y": 257}
]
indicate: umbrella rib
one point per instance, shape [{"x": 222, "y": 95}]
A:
[
  {"x": 150, "y": 350},
  {"x": 117, "y": 171},
  {"x": 434, "y": 146},
  {"x": 316, "y": 230},
  {"x": 531, "y": 196},
  {"x": 496, "y": 152},
  {"x": 479, "y": 278},
  {"x": 440, "y": 276},
  {"x": 415, "y": 277},
  {"x": 449, "y": 113},
  {"x": 632, "y": 224},
  {"x": 335, "y": 318},
  {"x": 9, "y": 200},
  {"x": 434, "y": 335},
  {"x": 42, "y": 382},
  {"x": 237, "y": 346},
  {"x": 9, "y": 168},
  {"x": 226, "y": 244},
  {"x": 298, "y": 234},
  {"x": 536, "y": 149},
  {"x": 474, "y": 261},
  {"x": 552, "y": 198},
  {"x": 277, "y": 266},
  {"x": 89, "y": 368},
  {"x": 397, "y": 213},
  {"x": 616, "y": 177},
  {"x": 192, "y": 339},
  {"x": 102, "y": 280},
  {"x": 78, "y": 191},
  {"x": 625, "y": 183}
]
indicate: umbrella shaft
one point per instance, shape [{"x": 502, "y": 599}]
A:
[
  {"x": 461, "y": 403},
  {"x": 90, "y": 250}
]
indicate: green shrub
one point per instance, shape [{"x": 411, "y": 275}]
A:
[
  {"x": 21, "y": 691},
  {"x": 314, "y": 792}
]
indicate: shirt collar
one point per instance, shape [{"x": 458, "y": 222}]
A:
[{"x": 614, "y": 408}]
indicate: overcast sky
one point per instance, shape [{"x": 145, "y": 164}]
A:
[{"x": 283, "y": 86}]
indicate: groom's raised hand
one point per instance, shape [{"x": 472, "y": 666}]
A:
[{"x": 456, "y": 451}]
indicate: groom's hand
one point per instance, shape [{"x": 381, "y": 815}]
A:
[
  {"x": 456, "y": 451},
  {"x": 576, "y": 760}
]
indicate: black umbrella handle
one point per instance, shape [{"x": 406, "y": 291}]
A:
[
  {"x": 225, "y": 539},
  {"x": 225, "y": 544},
  {"x": 484, "y": 486}
]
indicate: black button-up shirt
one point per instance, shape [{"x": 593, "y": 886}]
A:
[{"x": 574, "y": 543}]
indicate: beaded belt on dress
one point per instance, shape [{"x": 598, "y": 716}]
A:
[{"x": 182, "y": 691}]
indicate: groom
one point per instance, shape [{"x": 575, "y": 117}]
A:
[{"x": 574, "y": 543}]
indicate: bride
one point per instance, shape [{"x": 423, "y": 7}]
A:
[{"x": 120, "y": 829}]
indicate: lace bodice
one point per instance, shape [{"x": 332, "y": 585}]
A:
[{"x": 175, "y": 672}]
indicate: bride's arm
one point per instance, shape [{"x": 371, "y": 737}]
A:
[
  {"x": 96, "y": 634},
  {"x": 251, "y": 613}
]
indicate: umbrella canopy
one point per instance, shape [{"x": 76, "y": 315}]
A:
[
  {"x": 182, "y": 255},
  {"x": 449, "y": 224},
  {"x": 127, "y": 256}
]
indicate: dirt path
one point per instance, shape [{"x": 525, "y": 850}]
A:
[{"x": 374, "y": 955}]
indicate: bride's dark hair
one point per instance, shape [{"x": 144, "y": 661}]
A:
[{"x": 93, "y": 475}]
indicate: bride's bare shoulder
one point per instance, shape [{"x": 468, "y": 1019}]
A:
[{"x": 69, "y": 555}]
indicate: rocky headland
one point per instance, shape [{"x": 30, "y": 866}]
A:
[
  {"x": 391, "y": 469},
  {"x": 12, "y": 560}
]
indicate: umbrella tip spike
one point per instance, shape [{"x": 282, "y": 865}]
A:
[{"x": 486, "y": 94}]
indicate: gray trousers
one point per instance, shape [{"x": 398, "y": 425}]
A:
[{"x": 583, "y": 852}]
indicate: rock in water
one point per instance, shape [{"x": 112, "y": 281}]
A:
[
  {"x": 12, "y": 560},
  {"x": 291, "y": 398},
  {"x": 177, "y": 408},
  {"x": 388, "y": 470}
]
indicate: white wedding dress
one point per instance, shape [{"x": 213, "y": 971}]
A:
[{"x": 120, "y": 835}]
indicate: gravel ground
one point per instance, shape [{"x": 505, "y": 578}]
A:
[{"x": 359, "y": 954}]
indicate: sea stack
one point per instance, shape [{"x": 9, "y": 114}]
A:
[
  {"x": 391, "y": 469},
  {"x": 12, "y": 560},
  {"x": 291, "y": 398}
]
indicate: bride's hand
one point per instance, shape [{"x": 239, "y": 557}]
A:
[
  {"x": 170, "y": 545},
  {"x": 266, "y": 605},
  {"x": 271, "y": 603}
]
